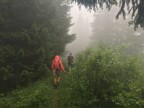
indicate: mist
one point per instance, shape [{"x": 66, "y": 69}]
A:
[
  {"x": 102, "y": 25},
  {"x": 81, "y": 20}
]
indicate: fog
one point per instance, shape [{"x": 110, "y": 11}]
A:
[
  {"x": 81, "y": 20},
  {"x": 102, "y": 25}
]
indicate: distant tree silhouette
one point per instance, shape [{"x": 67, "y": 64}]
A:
[{"x": 133, "y": 7}]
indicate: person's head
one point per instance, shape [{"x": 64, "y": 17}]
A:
[
  {"x": 70, "y": 53},
  {"x": 57, "y": 57}
]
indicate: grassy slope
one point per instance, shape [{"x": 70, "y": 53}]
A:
[{"x": 40, "y": 95}]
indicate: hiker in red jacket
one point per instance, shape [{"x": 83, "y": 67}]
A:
[{"x": 57, "y": 67}]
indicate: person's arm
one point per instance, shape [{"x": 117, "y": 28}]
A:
[{"x": 61, "y": 66}]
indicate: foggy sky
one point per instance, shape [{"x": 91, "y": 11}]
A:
[{"x": 82, "y": 20}]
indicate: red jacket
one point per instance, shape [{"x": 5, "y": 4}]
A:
[{"x": 57, "y": 58}]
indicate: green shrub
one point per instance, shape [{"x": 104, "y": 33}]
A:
[
  {"x": 36, "y": 96},
  {"x": 106, "y": 78}
]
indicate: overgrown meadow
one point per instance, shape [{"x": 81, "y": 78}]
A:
[
  {"x": 102, "y": 77},
  {"x": 106, "y": 77}
]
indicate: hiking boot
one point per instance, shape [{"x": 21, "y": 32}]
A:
[
  {"x": 58, "y": 83},
  {"x": 55, "y": 86}
]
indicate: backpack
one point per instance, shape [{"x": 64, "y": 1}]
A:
[
  {"x": 70, "y": 60},
  {"x": 57, "y": 65}
]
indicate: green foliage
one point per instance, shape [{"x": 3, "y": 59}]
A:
[
  {"x": 103, "y": 77},
  {"x": 31, "y": 33},
  {"x": 106, "y": 78},
  {"x": 36, "y": 96},
  {"x": 118, "y": 34},
  {"x": 133, "y": 7}
]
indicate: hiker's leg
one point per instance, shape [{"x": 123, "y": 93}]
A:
[
  {"x": 58, "y": 77},
  {"x": 55, "y": 80},
  {"x": 69, "y": 67},
  {"x": 55, "y": 77}
]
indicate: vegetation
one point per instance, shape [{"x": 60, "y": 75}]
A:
[
  {"x": 133, "y": 7},
  {"x": 37, "y": 96},
  {"x": 31, "y": 33},
  {"x": 106, "y": 78},
  {"x": 116, "y": 32},
  {"x": 102, "y": 77}
]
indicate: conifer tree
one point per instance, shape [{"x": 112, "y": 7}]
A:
[
  {"x": 31, "y": 32},
  {"x": 133, "y": 7}
]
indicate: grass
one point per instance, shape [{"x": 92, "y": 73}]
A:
[{"x": 40, "y": 95}]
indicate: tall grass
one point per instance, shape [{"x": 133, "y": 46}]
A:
[
  {"x": 103, "y": 77},
  {"x": 106, "y": 77}
]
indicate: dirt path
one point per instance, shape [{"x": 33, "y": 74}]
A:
[{"x": 56, "y": 99}]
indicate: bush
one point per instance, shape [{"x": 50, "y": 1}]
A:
[
  {"x": 106, "y": 78},
  {"x": 37, "y": 96}
]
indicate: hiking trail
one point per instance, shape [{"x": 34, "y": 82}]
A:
[{"x": 56, "y": 99}]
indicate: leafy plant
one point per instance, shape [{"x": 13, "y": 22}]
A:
[{"x": 106, "y": 77}]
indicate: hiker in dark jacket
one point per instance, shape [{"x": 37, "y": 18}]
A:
[{"x": 70, "y": 59}]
